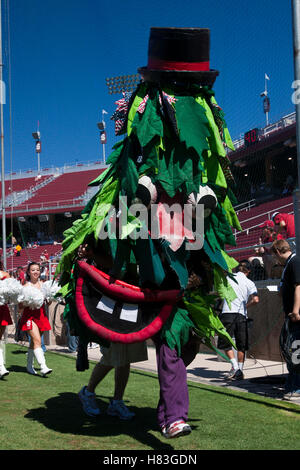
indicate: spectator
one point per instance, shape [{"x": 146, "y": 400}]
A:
[
  {"x": 34, "y": 322},
  {"x": 44, "y": 272},
  {"x": 117, "y": 356},
  {"x": 268, "y": 235},
  {"x": 284, "y": 224},
  {"x": 5, "y": 320},
  {"x": 289, "y": 289},
  {"x": 17, "y": 250},
  {"x": 21, "y": 275},
  {"x": 257, "y": 270},
  {"x": 234, "y": 319}
]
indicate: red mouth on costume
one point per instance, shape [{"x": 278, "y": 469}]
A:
[{"x": 118, "y": 311}]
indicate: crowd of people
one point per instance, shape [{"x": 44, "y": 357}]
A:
[{"x": 264, "y": 265}]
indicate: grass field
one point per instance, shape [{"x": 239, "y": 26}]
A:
[{"x": 39, "y": 413}]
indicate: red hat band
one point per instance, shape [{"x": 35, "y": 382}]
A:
[{"x": 158, "y": 64}]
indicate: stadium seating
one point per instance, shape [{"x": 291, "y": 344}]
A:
[
  {"x": 66, "y": 187},
  {"x": 22, "y": 184},
  {"x": 250, "y": 221},
  {"x": 30, "y": 254}
]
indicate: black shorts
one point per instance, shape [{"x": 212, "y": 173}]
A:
[{"x": 236, "y": 326}]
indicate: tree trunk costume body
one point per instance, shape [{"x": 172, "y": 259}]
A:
[{"x": 164, "y": 214}]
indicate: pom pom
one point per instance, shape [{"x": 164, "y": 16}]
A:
[
  {"x": 10, "y": 291},
  {"x": 32, "y": 297},
  {"x": 50, "y": 289}
]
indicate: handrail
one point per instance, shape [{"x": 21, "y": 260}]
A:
[{"x": 267, "y": 213}]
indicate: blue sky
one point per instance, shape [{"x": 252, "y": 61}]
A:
[{"x": 61, "y": 51}]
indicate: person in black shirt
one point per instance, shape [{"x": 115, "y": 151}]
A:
[{"x": 289, "y": 289}]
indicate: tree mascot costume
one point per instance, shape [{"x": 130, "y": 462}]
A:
[{"x": 148, "y": 252}]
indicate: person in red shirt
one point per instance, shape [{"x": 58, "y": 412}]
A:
[
  {"x": 21, "y": 275},
  {"x": 268, "y": 235},
  {"x": 284, "y": 224}
]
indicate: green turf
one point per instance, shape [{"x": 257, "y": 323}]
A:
[{"x": 39, "y": 413}]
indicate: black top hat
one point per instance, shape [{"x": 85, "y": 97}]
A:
[{"x": 179, "y": 54}]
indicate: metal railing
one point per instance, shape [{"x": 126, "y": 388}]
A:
[{"x": 269, "y": 130}]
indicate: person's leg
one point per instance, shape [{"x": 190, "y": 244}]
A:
[
  {"x": 241, "y": 341},
  {"x": 87, "y": 393},
  {"x": 241, "y": 359},
  {"x": 43, "y": 346},
  {"x": 121, "y": 380},
  {"x": 229, "y": 322},
  {"x": 35, "y": 337},
  {"x": 117, "y": 406},
  {"x": 2, "y": 330},
  {"x": 3, "y": 370},
  {"x": 38, "y": 353},
  {"x": 98, "y": 374},
  {"x": 174, "y": 398}
]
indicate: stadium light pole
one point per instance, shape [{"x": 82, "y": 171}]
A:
[
  {"x": 266, "y": 100},
  {"x": 296, "y": 49},
  {"x": 122, "y": 83},
  {"x": 101, "y": 126},
  {"x": 2, "y": 101},
  {"x": 37, "y": 137}
]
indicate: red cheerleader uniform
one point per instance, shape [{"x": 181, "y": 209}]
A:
[
  {"x": 5, "y": 318},
  {"x": 37, "y": 316}
]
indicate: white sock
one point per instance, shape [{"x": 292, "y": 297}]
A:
[
  {"x": 234, "y": 364},
  {"x": 241, "y": 365}
]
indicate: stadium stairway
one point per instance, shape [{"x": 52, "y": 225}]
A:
[{"x": 30, "y": 254}]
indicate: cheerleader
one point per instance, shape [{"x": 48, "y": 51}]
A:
[
  {"x": 5, "y": 320},
  {"x": 34, "y": 321}
]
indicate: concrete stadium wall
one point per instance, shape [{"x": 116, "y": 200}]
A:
[{"x": 268, "y": 319}]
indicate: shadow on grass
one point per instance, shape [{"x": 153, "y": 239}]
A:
[
  {"x": 18, "y": 369},
  {"x": 236, "y": 394},
  {"x": 64, "y": 414},
  {"x": 244, "y": 397}
]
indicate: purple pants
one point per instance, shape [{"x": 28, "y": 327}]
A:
[{"x": 173, "y": 403}]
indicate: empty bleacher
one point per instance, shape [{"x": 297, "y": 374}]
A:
[
  {"x": 22, "y": 184},
  {"x": 66, "y": 190}
]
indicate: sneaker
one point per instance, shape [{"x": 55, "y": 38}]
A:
[
  {"x": 118, "y": 408},
  {"x": 3, "y": 372},
  {"x": 291, "y": 396},
  {"x": 238, "y": 375},
  {"x": 230, "y": 374},
  {"x": 88, "y": 402},
  {"x": 163, "y": 430},
  {"x": 178, "y": 428}
]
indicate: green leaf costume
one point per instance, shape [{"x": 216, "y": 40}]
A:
[{"x": 176, "y": 137}]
